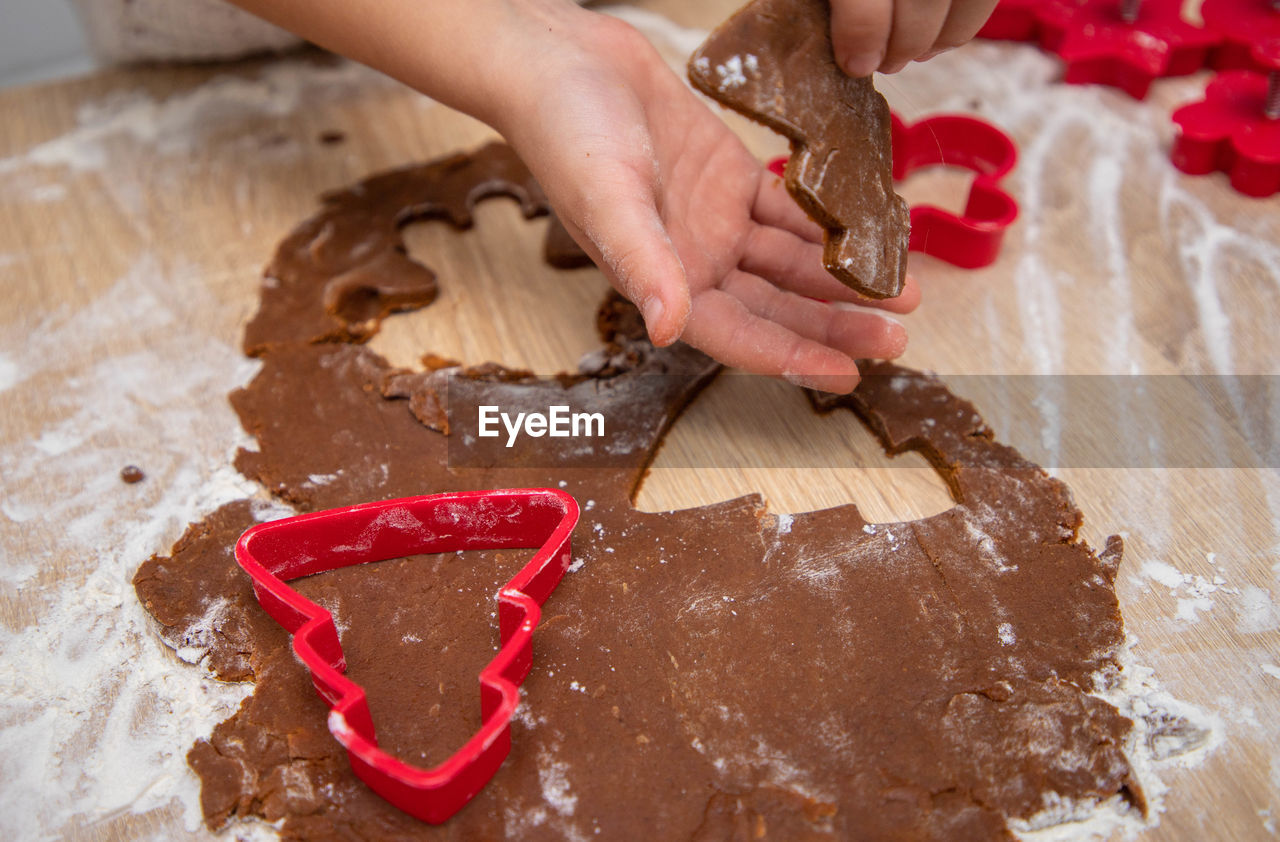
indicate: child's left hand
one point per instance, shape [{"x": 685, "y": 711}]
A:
[{"x": 884, "y": 35}]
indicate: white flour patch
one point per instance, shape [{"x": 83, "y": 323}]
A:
[
  {"x": 1168, "y": 734},
  {"x": 553, "y": 775},
  {"x": 731, "y": 73},
  {"x": 1194, "y": 593},
  {"x": 10, "y": 374},
  {"x": 95, "y": 713},
  {"x": 1256, "y": 613}
]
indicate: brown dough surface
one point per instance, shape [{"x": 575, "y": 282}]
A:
[
  {"x": 773, "y": 62},
  {"x": 714, "y": 673}
]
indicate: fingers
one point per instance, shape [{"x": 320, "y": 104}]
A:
[
  {"x": 916, "y": 25},
  {"x": 907, "y": 301},
  {"x": 795, "y": 264},
  {"x": 963, "y": 22},
  {"x": 631, "y": 244},
  {"x": 775, "y": 207},
  {"x": 884, "y": 35},
  {"x": 860, "y": 33},
  {"x": 855, "y": 332},
  {"x": 792, "y": 263},
  {"x": 723, "y": 327},
  {"x": 751, "y": 324}
]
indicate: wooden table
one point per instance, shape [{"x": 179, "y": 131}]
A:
[{"x": 137, "y": 207}]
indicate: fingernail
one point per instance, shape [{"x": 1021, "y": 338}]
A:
[
  {"x": 861, "y": 65},
  {"x": 898, "y": 339},
  {"x": 652, "y": 311},
  {"x": 835, "y": 383}
]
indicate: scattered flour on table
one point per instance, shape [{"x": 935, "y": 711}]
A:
[
  {"x": 1194, "y": 593},
  {"x": 1128, "y": 187},
  {"x": 1257, "y": 612},
  {"x": 95, "y": 713},
  {"x": 179, "y": 124},
  {"x": 1168, "y": 734},
  {"x": 10, "y": 373},
  {"x": 553, "y": 775}
]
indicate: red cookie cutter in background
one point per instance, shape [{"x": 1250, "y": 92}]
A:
[
  {"x": 314, "y": 543},
  {"x": 1236, "y": 127},
  {"x": 972, "y": 240},
  {"x": 1122, "y": 43},
  {"x": 1013, "y": 20},
  {"x": 1241, "y": 24}
]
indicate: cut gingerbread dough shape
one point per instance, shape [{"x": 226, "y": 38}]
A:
[
  {"x": 773, "y": 62},
  {"x": 701, "y": 674}
]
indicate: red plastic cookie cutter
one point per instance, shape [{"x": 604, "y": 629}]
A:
[
  {"x": 1013, "y": 20},
  {"x": 1241, "y": 24},
  {"x": 1236, "y": 127},
  {"x": 1122, "y": 43},
  {"x": 314, "y": 543},
  {"x": 973, "y": 239}
]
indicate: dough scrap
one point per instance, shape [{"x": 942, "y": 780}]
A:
[
  {"x": 708, "y": 674},
  {"x": 773, "y": 62}
]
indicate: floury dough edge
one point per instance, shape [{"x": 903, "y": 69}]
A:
[
  {"x": 772, "y": 61},
  {"x": 711, "y": 673}
]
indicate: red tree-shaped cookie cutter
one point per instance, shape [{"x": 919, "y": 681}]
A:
[
  {"x": 1122, "y": 43},
  {"x": 1236, "y": 127},
  {"x": 314, "y": 543},
  {"x": 972, "y": 240}
]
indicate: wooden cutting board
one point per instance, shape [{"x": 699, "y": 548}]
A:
[{"x": 138, "y": 207}]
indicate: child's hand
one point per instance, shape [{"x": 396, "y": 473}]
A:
[
  {"x": 885, "y": 35},
  {"x": 683, "y": 219}
]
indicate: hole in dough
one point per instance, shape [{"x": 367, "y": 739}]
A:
[
  {"x": 747, "y": 434},
  {"x": 491, "y": 288},
  {"x": 941, "y": 186}
]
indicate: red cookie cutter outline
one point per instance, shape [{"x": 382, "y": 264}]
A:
[
  {"x": 1099, "y": 46},
  {"x": 314, "y": 543},
  {"x": 974, "y": 239},
  {"x": 1230, "y": 129}
]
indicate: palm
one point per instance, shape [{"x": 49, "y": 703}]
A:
[{"x": 689, "y": 226}]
